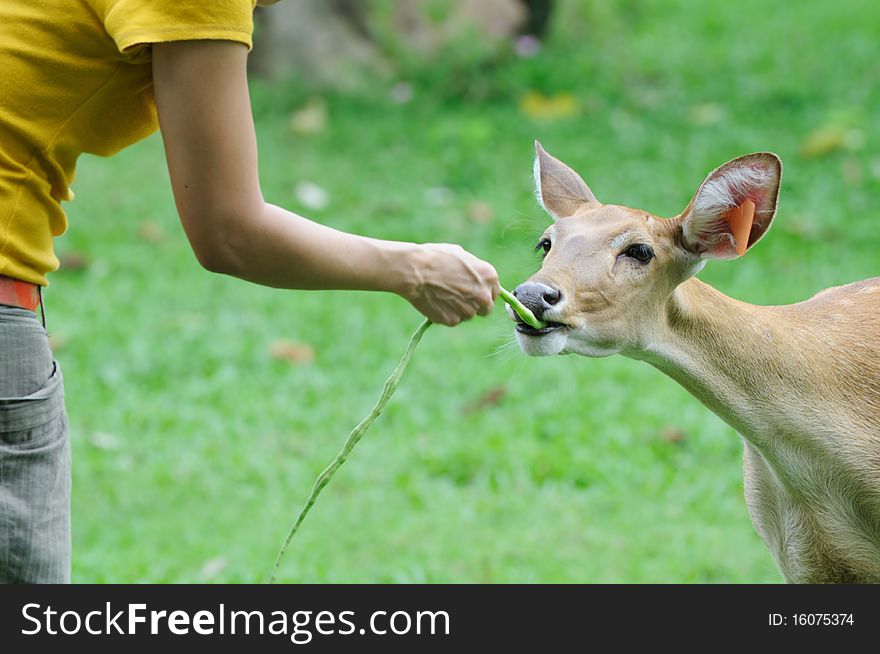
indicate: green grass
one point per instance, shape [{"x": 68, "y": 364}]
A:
[{"x": 194, "y": 448}]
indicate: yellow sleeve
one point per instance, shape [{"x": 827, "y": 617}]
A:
[{"x": 137, "y": 22}]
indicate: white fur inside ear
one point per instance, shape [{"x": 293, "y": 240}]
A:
[
  {"x": 536, "y": 172},
  {"x": 706, "y": 228}
]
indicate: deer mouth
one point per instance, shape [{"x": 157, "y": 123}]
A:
[{"x": 528, "y": 330}]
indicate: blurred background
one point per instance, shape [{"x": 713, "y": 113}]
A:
[{"x": 203, "y": 407}]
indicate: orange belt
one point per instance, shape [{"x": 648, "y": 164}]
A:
[{"x": 16, "y": 293}]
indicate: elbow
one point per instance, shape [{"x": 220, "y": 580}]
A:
[
  {"x": 222, "y": 239},
  {"x": 220, "y": 251},
  {"x": 213, "y": 259}
]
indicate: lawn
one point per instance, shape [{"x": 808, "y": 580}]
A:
[{"x": 199, "y": 422}]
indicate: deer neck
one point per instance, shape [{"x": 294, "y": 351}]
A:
[{"x": 744, "y": 362}]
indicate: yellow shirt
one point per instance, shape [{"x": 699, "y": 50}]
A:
[{"x": 76, "y": 76}]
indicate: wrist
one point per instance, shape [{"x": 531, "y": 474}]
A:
[{"x": 402, "y": 265}]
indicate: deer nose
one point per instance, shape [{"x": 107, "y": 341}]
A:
[{"x": 537, "y": 297}]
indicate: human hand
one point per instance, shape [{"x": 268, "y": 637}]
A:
[{"x": 452, "y": 285}]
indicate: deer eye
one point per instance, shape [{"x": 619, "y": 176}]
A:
[
  {"x": 544, "y": 244},
  {"x": 640, "y": 252}
]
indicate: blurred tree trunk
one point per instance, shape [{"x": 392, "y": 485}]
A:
[
  {"x": 321, "y": 41},
  {"x": 356, "y": 13},
  {"x": 418, "y": 25},
  {"x": 330, "y": 42}
]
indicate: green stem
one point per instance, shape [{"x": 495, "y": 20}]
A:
[
  {"x": 523, "y": 311},
  {"x": 324, "y": 478}
]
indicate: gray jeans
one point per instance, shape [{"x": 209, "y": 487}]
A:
[{"x": 34, "y": 455}]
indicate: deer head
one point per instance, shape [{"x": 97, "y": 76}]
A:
[{"x": 609, "y": 271}]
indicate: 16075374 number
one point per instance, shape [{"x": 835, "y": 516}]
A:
[
  {"x": 822, "y": 619},
  {"x": 811, "y": 620}
]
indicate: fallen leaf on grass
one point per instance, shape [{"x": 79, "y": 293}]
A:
[
  {"x": 831, "y": 138},
  {"x": 312, "y": 196},
  {"x": 707, "y": 113},
  {"x": 57, "y": 341},
  {"x": 538, "y": 106},
  {"x": 73, "y": 261},
  {"x": 213, "y": 567},
  {"x": 285, "y": 350},
  {"x": 310, "y": 119},
  {"x": 673, "y": 435},
  {"x": 490, "y": 398},
  {"x": 480, "y": 212},
  {"x": 105, "y": 441},
  {"x": 151, "y": 231}
]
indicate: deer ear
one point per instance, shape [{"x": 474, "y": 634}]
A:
[
  {"x": 559, "y": 189},
  {"x": 733, "y": 207}
]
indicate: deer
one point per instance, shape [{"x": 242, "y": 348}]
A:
[{"x": 800, "y": 383}]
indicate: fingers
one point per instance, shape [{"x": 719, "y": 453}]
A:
[
  {"x": 455, "y": 312},
  {"x": 449, "y": 313},
  {"x": 448, "y": 318},
  {"x": 458, "y": 285},
  {"x": 490, "y": 289}
]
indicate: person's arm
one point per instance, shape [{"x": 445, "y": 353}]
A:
[{"x": 206, "y": 122}]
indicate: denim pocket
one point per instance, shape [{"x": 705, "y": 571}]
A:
[
  {"x": 35, "y": 486},
  {"x": 25, "y": 422}
]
